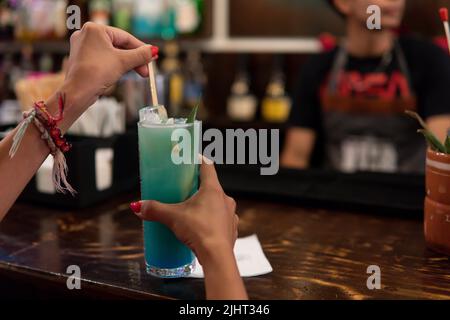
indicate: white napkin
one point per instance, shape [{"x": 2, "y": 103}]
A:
[
  {"x": 249, "y": 256},
  {"x": 104, "y": 118}
]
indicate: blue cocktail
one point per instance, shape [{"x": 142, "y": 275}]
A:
[{"x": 167, "y": 182}]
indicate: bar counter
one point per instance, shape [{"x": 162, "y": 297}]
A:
[{"x": 315, "y": 254}]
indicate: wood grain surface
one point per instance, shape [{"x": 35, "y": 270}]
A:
[{"x": 315, "y": 254}]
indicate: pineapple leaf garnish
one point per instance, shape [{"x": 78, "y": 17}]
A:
[
  {"x": 432, "y": 141},
  {"x": 193, "y": 115}
]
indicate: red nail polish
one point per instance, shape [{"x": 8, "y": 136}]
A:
[
  {"x": 155, "y": 51},
  {"x": 136, "y": 207}
]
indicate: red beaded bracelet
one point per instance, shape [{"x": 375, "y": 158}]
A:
[
  {"x": 51, "y": 123},
  {"x": 58, "y": 145}
]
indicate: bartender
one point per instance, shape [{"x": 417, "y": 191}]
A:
[{"x": 350, "y": 102}]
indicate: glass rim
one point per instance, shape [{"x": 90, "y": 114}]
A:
[
  {"x": 162, "y": 125},
  {"x": 168, "y": 126}
]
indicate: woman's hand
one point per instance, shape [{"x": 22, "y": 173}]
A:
[
  {"x": 99, "y": 56},
  {"x": 206, "y": 222}
]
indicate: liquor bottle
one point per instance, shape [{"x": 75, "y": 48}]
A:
[
  {"x": 276, "y": 105},
  {"x": 6, "y": 87},
  {"x": 26, "y": 61},
  {"x": 46, "y": 63},
  {"x": 122, "y": 14},
  {"x": 189, "y": 14},
  {"x": 168, "y": 30},
  {"x": 195, "y": 82},
  {"x": 133, "y": 91},
  {"x": 148, "y": 18},
  {"x": 12, "y": 72},
  {"x": 6, "y": 21},
  {"x": 174, "y": 79},
  {"x": 242, "y": 105},
  {"x": 99, "y": 11},
  {"x": 60, "y": 16},
  {"x": 22, "y": 23},
  {"x": 40, "y": 19}
]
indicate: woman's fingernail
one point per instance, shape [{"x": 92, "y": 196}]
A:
[
  {"x": 155, "y": 51},
  {"x": 136, "y": 207}
]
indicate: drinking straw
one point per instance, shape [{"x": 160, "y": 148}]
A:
[
  {"x": 154, "y": 92},
  {"x": 443, "y": 12},
  {"x": 152, "y": 77}
]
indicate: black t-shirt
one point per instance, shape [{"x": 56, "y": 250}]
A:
[{"x": 358, "y": 134}]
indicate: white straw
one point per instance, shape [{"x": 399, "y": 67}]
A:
[
  {"x": 447, "y": 32},
  {"x": 154, "y": 92}
]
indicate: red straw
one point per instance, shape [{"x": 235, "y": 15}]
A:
[{"x": 443, "y": 12}]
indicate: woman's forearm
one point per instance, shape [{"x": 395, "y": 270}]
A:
[
  {"x": 16, "y": 172},
  {"x": 99, "y": 56},
  {"x": 222, "y": 278}
]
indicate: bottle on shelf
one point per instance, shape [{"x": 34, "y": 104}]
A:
[
  {"x": 242, "y": 105},
  {"x": 40, "y": 19},
  {"x": 60, "y": 18},
  {"x": 276, "y": 105},
  {"x": 100, "y": 11},
  {"x": 6, "y": 21},
  {"x": 6, "y": 85},
  {"x": 122, "y": 14},
  {"x": 189, "y": 14},
  {"x": 174, "y": 79},
  {"x": 168, "y": 30},
  {"x": 26, "y": 63},
  {"x": 23, "y": 21},
  {"x": 21, "y": 70},
  {"x": 148, "y": 18},
  {"x": 132, "y": 90},
  {"x": 46, "y": 63},
  {"x": 10, "y": 112},
  {"x": 194, "y": 84}
]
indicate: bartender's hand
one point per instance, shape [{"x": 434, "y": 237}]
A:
[
  {"x": 207, "y": 223},
  {"x": 99, "y": 56}
]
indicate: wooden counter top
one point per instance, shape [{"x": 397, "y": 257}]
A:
[{"x": 315, "y": 254}]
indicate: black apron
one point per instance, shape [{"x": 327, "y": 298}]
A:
[{"x": 371, "y": 132}]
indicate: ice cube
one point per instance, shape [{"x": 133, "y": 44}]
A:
[
  {"x": 170, "y": 121},
  {"x": 162, "y": 113},
  {"x": 149, "y": 116},
  {"x": 181, "y": 121}
]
